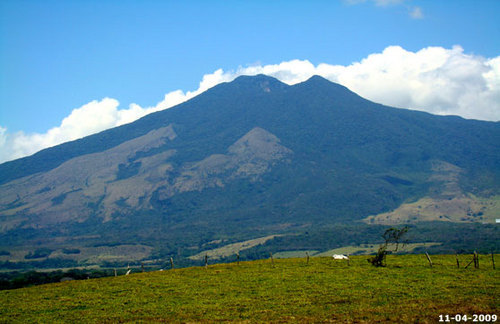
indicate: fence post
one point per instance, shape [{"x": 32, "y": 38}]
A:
[
  {"x": 307, "y": 255},
  {"x": 476, "y": 260},
  {"x": 473, "y": 260},
  {"x": 206, "y": 261},
  {"x": 238, "y": 258},
  {"x": 272, "y": 260},
  {"x": 348, "y": 259},
  {"x": 171, "y": 263},
  {"x": 493, "y": 260},
  {"x": 428, "y": 258},
  {"x": 458, "y": 263}
]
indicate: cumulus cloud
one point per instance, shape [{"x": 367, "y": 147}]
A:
[
  {"x": 94, "y": 117},
  {"x": 434, "y": 79}
]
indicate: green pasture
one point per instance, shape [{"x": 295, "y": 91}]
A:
[{"x": 282, "y": 290}]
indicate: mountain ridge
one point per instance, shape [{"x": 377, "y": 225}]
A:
[
  {"x": 251, "y": 158},
  {"x": 106, "y": 139}
]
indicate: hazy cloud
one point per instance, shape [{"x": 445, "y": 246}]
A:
[
  {"x": 387, "y": 2},
  {"x": 434, "y": 79},
  {"x": 416, "y": 13}
]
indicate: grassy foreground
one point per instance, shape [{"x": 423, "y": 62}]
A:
[{"x": 290, "y": 290}]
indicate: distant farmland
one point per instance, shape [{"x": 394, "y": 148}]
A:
[{"x": 285, "y": 290}]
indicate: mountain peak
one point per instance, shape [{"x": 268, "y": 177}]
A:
[
  {"x": 259, "y": 82},
  {"x": 322, "y": 86},
  {"x": 319, "y": 81},
  {"x": 244, "y": 158},
  {"x": 316, "y": 78},
  {"x": 254, "y": 78}
]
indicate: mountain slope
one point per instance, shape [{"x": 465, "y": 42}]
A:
[{"x": 249, "y": 158}]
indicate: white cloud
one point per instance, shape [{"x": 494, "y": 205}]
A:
[
  {"x": 94, "y": 117},
  {"x": 416, "y": 13},
  {"x": 434, "y": 79},
  {"x": 3, "y": 136}
]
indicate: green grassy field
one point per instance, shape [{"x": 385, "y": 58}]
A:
[{"x": 288, "y": 290}]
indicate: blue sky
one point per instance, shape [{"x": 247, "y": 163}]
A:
[{"x": 57, "y": 56}]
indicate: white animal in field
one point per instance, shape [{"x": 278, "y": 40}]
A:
[{"x": 340, "y": 257}]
